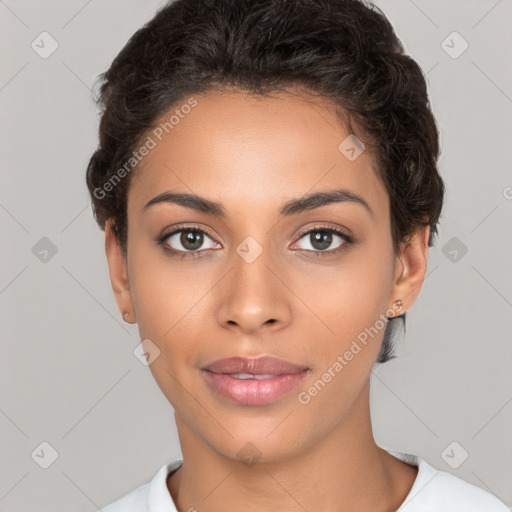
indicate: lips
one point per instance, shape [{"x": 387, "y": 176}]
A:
[
  {"x": 254, "y": 366},
  {"x": 253, "y": 381}
]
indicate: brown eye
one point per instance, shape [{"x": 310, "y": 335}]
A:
[
  {"x": 322, "y": 239},
  {"x": 190, "y": 240},
  {"x": 187, "y": 240}
]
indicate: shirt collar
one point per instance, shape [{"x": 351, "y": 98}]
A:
[{"x": 159, "y": 498}]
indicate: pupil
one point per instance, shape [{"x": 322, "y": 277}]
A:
[
  {"x": 194, "y": 238},
  {"x": 321, "y": 239}
]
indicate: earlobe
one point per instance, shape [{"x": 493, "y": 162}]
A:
[
  {"x": 411, "y": 268},
  {"x": 118, "y": 274}
]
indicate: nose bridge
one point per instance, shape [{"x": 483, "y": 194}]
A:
[
  {"x": 254, "y": 295},
  {"x": 251, "y": 268}
]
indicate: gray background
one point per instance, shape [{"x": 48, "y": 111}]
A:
[{"x": 67, "y": 369}]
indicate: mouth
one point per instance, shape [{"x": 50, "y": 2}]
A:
[{"x": 253, "y": 381}]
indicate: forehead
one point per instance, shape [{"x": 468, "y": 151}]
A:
[{"x": 244, "y": 150}]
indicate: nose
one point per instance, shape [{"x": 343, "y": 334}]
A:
[{"x": 254, "y": 296}]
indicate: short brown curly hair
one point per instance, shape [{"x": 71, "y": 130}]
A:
[{"x": 342, "y": 50}]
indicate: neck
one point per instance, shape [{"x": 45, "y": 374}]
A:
[{"x": 342, "y": 472}]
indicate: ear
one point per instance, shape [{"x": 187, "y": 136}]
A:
[
  {"x": 410, "y": 269},
  {"x": 118, "y": 274}
]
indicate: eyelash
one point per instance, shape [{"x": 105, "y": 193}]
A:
[{"x": 348, "y": 240}]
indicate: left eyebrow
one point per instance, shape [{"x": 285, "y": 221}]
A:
[
  {"x": 318, "y": 199},
  {"x": 291, "y": 207}
]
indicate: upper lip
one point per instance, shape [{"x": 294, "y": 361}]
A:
[{"x": 254, "y": 365}]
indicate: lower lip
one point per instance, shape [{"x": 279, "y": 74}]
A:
[{"x": 253, "y": 391}]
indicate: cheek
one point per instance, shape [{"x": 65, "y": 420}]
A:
[
  {"x": 168, "y": 313},
  {"x": 170, "y": 308},
  {"x": 347, "y": 297},
  {"x": 162, "y": 297},
  {"x": 368, "y": 281},
  {"x": 349, "y": 304}
]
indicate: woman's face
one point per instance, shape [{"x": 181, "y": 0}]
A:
[{"x": 268, "y": 277}]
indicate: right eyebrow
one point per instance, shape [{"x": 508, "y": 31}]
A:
[{"x": 193, "y": 201}]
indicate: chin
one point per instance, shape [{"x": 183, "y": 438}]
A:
[{"x": 258, "y": 449}]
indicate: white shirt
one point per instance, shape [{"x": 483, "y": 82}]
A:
[{"x": 432, "y": 491}]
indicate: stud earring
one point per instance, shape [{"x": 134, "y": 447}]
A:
[{"x": 397, "y": 305}]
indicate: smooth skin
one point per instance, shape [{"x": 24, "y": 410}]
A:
[{"x": 294, "y": 301}]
